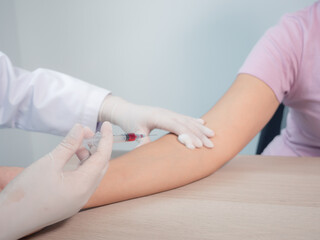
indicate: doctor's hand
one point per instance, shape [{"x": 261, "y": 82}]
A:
[
  {"x": 44, "y": 194},
  {"x": 143, "y": 119}
]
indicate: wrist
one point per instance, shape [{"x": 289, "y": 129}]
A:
[{"x": 108, "y": 108}]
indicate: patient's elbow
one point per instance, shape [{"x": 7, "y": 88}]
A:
[{"x": 210, "y": 160}]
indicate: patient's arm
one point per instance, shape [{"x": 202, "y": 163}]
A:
[
  {"x": 165, "y": 164},
  {"x": 7, "y": 174}
]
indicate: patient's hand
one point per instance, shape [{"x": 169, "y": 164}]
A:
[{"x": 7, "y": 174}]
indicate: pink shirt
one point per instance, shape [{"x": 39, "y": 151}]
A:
[{"x": 287, "y": 58}]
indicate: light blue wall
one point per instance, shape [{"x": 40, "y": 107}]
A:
[{"x": 180, "y": 55}]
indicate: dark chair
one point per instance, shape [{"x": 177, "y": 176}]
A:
[{"x": 271, "y": 130}]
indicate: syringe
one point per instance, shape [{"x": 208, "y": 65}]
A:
[{"x": 126, "y": 137}]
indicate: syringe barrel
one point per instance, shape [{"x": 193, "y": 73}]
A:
[{"x": 94, "y": 141}]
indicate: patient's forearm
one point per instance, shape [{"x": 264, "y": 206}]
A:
[
  {"x": 166, "y": 164},
  {"x": 159, "y": 166},
  {"x": 7, "y": 174}
]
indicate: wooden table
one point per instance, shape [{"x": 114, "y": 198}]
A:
[{"x": 252, "y": 197}]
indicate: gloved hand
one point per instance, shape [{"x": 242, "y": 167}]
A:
[
  {"x": 143, "y": 119},
  {"x": 44, "y": 194}
]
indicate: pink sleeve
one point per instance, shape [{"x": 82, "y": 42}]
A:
[{"x": 275, "y": 59}]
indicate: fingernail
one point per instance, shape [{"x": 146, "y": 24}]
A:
[
  {"x": 190, "y": 146},
  {"x": 209, "y": 144},
  {"x": 210, "y": 133}
]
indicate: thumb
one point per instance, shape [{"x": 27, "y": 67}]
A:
[
  {"x": 97, "y": 163},
  {"x": 69, "y": 145}
]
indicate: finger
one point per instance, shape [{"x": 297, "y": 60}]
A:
[
  {"x": 98, "y": 162},
  {"x": 186, "y": 135},
  {"x": 207, "y": 131},
  {"x": 69, "y": 145},
  {"x": 87, "y": 133},
  {"x": 194, "y": 128},
  {"x": 194, "y": 131},
  {"x": 185, "y": 124},
  {"x": 199, "y": 124},
  {"x": 200, "y": 140},
  {"x": 207, "y": 142},
  {"x": 186, "y": 140},
  {"x": 194, "y": 137},
  {"x": 196, "y": 142},
  {"x": 200, "y": 120},
  {"x": 83, "y": 153},
  {"x": 202, "y": 133}
]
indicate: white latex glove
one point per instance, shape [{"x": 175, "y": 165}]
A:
[
  {"x": 143, "y": 119},
  {"x": 44, "y": 194}
]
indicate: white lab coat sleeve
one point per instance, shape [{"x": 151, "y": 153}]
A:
[{"x": 45, "y": 100}]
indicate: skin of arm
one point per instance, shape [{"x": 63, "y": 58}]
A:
[{"x": 165, "y": 164}]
